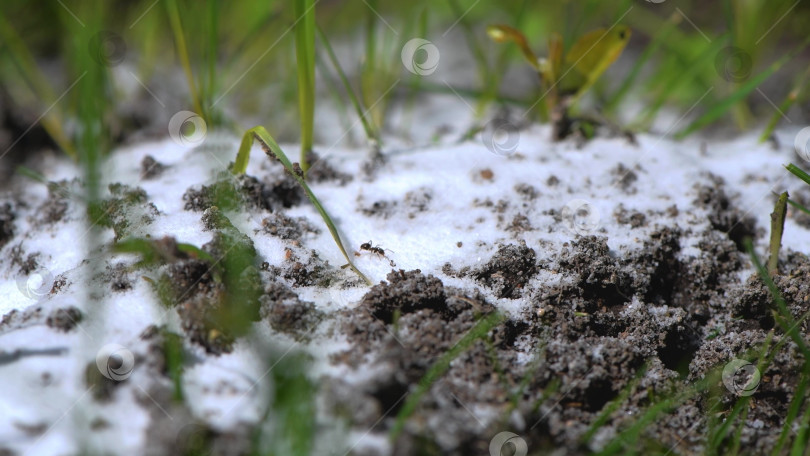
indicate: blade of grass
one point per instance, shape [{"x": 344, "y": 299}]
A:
[
  {"x": 798, "y": 172},
  {"x": 370, "y": 133},
  {"x": 209, "y": 85},
  {"x": 485, "y": 73},
  {"x": 305, "y": 60},
  {"x": 800, "y": 443},
  {"x": 799, "y": 206},
  {"x": 630, "y": 80},
  {"x": 735, "y": 440},
  {"x": 718, "y": 110},
  {"x": 718, "y": 435},
  {"x": 480, "y": 330},
  {"x": 416, "y": 83},
  {"x": 182, "y": 53},
  {"x": 612, "y": 406},
  {"x": 632, "y": 434},
  {"x": 789, "y": 100},
  {"x": 38, "y": 84},
  {"x": 336, "y": 90},
  {"x": 783, "y": 316},
  {"x": 793, "y": 411},
  {"x": 677, "y": 80},
  {"x": 273, "y": 150},
  {"x": 369, "y": 71},
  {"x": 777, "y": 228}
]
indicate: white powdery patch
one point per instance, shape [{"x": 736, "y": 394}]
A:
[{"x": 443, "y": 199}]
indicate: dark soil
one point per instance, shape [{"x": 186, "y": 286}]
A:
[
  {"x": 722, "y": 215},
  {"x": 54, "y": 208},
  {"x": 637, "y": 329},
  {"x": 64, "y": 319},
  {"x": 288, "y": 314},
  {"x": 126, "y": 210},
  {"x": 321, "y": 171},
  {"x": 606, "y": 338},
  {"x": 508, "y": 271},
  {"x": 151, "y": 168},
  {"x": 292, "y": 228},
  {"x": 7, "y": 216}
]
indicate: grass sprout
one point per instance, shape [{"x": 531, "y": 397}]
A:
[
  {"x": 718, "y": 110},
  {"x": 371, "y": 134},
  {"x": 182, "y": 52},
  {"x": 777, "y": 228},
  {"x": 305, "y": 59},
  {"x": 479, "y": 331},
  {"x": 274, "y": 151},
  {"x": 17, "y": 51}
]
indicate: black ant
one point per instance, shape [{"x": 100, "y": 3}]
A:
[{"x": 368, "y": 246}]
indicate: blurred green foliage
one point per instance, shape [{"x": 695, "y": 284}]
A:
[{"x": 239, "y": 59}]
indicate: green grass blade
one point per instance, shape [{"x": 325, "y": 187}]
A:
[
  {"x": 20, "y": 56},
  {"x": 370, "y": 133},
  {"x": 799, "y": 206},
  {"x": 777, "y": 228},
  {"x": 717, "y": 111},
  {"x": 800, "y": 443},
  {"x": 613, "y": 405},
  {"x": 786, "y": 322},
  {"x": 305, "y": 60},
  {"x": 693, "y": 69},
  {"x": 716, "y": 437},
  {"x": 735, "y": 440},
  {"x": 798, "y": 172},
  {"x": 652, "y": 413},
  {"x": 488, "y": 77},
  {"x": 630, "y": 80},
  {"x": 789, "y": 100},
  {"x": 793, "y": 411},
  {"x": 481, "y": 328},
  {"x": 271, "y": 148},
  {"x": 182, "y": 53},
  {"x": 209, "y": 85}
]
